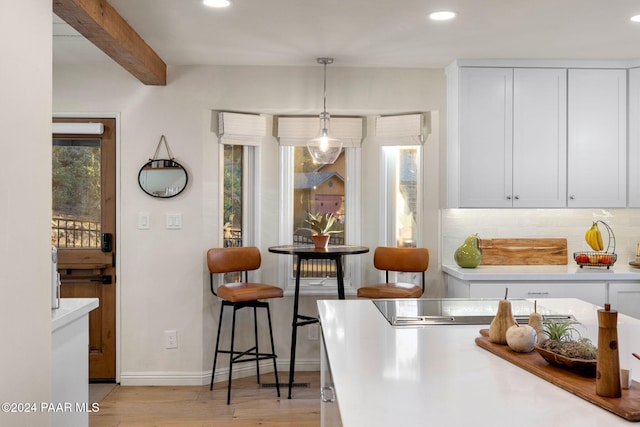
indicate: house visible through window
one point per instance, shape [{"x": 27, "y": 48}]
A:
[{"x": 317, "y": 189}]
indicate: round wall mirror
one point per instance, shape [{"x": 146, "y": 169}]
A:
[{"x": 163, "y": 178}]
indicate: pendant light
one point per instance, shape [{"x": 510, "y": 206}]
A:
[{"x": 324, "y": 148}]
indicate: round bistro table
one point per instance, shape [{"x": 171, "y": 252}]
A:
[{"x": 307, "y": 252}]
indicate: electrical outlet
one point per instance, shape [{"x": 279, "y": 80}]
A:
[
  {"x": 312, "y": 331},
  {"x": 170, "y": 339}
]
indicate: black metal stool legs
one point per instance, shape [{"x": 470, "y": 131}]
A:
[
  {"x": 255, "y": 333},
  {"x": 252, "y": 354},
  {"x": 232, "y": 357},
  {"x": 215, "y": 357},
  {"x": 273, "y": 351}
]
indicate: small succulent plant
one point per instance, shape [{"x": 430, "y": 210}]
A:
[
  {"x": 322, "y": 223},
  {"x": 561, "y": 341}
]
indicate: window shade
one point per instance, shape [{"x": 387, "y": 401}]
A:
[
  {"x": 407, "y": 129},
  {"x": 78, "y": 128},
  {"x": 296, "y": 131},
  {"x": 241, "y": 128}
]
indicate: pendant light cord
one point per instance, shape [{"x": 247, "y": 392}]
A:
[
  {"x": 325, "y": 89},
  {"x": 325, "y": 61}
]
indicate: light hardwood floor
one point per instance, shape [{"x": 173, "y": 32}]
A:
[{"x": 187, "y": 406}]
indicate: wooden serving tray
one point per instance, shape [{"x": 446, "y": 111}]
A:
[
  {"x": 542, "y": 251},
  {"x": 627, "y": 406}
]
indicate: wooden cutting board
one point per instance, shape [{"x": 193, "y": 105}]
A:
[
  {"x": 524, "y": 251},
  {"x": 627, "y": 406}
]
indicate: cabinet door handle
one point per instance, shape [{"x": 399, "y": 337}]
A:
[
  {"x": 327, "y": 394},
  {"x": 508, "y": 197},
  {"x": 517, "y": 197},
  {"x": 572, "y": 197},
  {"x": 537, "y": 293}
]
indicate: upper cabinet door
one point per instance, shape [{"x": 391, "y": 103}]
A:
[
  {"x": 539, "y": 138},
  {"x": 634, "y": 138},
  {"x": 597, "y": 138},
  {"x": 485, "y": 137}
]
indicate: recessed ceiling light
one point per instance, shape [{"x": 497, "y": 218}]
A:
[
  {"x": 442, "y": 15},
  {"x": 635, "y": 18},
  {"x": 216, "y": 3}
]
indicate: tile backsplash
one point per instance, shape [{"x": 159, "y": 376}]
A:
[{"x": 571, "y": 224}]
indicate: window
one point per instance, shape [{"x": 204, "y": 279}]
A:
[
  {"x": 239, "y": 136},
  {"x": 317, "y": 189},
  {"x": 400, "y": 138},
  {"x": 77, "y": 193},
  {"x": 402, "y": 196},
  {"x": 233, "y": 195},
  {"x": 308, "y": 187}
]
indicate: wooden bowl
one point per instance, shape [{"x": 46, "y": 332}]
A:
[{"x": 584, "y": 367}]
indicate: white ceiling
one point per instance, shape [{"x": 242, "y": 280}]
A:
[{"x": 369, "y": 33}]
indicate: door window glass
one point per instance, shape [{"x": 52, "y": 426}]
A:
[{"x": 76, "y": 220}]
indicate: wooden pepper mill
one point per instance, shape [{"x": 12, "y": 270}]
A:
[{"x": 608, "y": 362}]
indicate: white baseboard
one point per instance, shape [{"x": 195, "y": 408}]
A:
[{"x": 162, "y": 378}]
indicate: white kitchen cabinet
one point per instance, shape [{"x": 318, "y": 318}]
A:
[
  {"x": 539, "y": 138},
  {"x": 624, "y": 297},
  {"x": 510, "y": 138},
  {"x": 596, "y": 131},
  {"x": 485, "y": 129},
  {"x": 595, "y": 293},
  {"x": 634, "y": 138},
  {"x": 70, "y": 362},
  {"x": 329, "y": 411}
]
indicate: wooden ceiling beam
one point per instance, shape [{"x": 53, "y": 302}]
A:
[{"x": 101, "y": 24}]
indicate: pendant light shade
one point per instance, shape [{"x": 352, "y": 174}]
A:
[{"x": 324, "y": 149}]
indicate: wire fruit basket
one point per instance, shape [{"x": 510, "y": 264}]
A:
[{"x": 604, "y": 258}]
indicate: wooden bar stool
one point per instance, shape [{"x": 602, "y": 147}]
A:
[
  {"x": 406, "y": 260},
  {"x": 241, "y": 295}
]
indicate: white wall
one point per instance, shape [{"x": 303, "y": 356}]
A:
[
  {"x": 162, "y": 277},
  {"x": 25, "y": 209}
]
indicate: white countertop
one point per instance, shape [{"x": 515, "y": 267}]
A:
[
  {"x": 71, "y": 309},
  {"x": 571, "y": 272},
  {"x": 437, "y": 375}
]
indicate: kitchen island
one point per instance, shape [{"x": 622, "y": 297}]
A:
[
  {"x": 70, "y": 404},
  {"x": 438, "y": 376}
]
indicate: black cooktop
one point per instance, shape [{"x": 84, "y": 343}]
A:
[{"x": 456, "y": 311}]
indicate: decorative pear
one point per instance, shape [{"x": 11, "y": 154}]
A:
[
  {"x": 469, "y": 254},
  {"x": 521, "y": 338},
  {"x": 501, "y": 322},
  {"x": 535, "y": 321}
]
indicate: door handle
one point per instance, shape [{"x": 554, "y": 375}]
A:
[{"x": 327, "y": 394}]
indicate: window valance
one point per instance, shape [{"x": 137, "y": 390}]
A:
[
  {"x": 239, "y": 128},
  {"x": 406, "y": 129},
  {"x": 296, "y": 131}
]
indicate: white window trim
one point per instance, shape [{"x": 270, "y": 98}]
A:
[{"x": 317, "y": 286}]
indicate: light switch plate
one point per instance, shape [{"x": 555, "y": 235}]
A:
[
  {"x": 174, "y": 221},
  {"x": 143, "y": 221}
]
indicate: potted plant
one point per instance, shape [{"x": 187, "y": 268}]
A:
[
  {"x": 561, "y": 349},
  {"x": 322, "y": 225}
]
